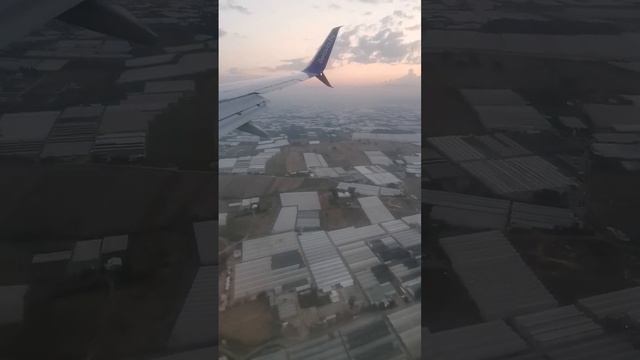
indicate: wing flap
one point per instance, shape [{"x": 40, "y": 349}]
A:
[
  {"x": 236, "y": 112},
  {"x": 253, "y": 129}
]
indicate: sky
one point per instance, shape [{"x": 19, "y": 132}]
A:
[{"x": 379, "y": 41}]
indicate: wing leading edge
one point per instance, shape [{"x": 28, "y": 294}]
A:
[
  {"x": 20, "y": 17},
  {"x": 238, "y": 100}
]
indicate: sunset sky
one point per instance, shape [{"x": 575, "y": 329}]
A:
[{"x": 379, "y": 41}]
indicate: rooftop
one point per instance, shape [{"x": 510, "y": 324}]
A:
[{"x": 303, "y": 200}]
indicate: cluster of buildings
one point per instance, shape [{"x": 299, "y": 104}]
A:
[
  {"x": 338, "y": 252},
  {"x": 253, "y": 161},
  {"x": 300, "y": 211},
  {"x": 497, "y": 160},
  {"x": 319, "y": 124},
  {"x": 521, "y": 169},
  {"x": 376, "y": 266},
  {"x": 63, "y": 266},
  {"x": 478, "y": 212},
  {"x": 521, "y": 318},
  {"x": 74, "y": 95},
  {"x": 192, "y": 326},
  {"x": 374, "y": 242},
  {"x": 572, "y": 331},
  {"x": 114, "y": 105},
  {"x": 313, "y": 277},
  {"x": 91, "y": 131},
  {"x": 247, "y": 164},
  {"x": 396, "y": 337}
]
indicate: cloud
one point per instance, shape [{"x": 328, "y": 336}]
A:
[
  {"x": 387, "y": 21},
  {"x": 367, "y": 13},
  {"x": 221, "y": 32},
  {"x": 414, "y": 27},
  {"x": 232, "y": 5},
  {"x": 343, "y": 42},
  {"x": 410, "y": 79},
  {"x": 402, "y": 14},
  {"x": 237, "y": 74},
  {"x": 334, "y": 6},
  {"x": 385, "y": 46},
  {"x": 394, "y": 20},
  {"x": 289, "y": 64}
]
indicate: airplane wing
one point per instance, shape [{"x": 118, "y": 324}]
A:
[
  {"x": 239, "y": 100},
  {"x": 20, "y": 17}
]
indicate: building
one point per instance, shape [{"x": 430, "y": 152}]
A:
[
  {"x": 372, "y": 339},
  {"x": 378, "y": 158},
  {"x": 24, "y": 134},
  {"x": 12, "y": 304},
  {"x": 313, "y": 160},
  {"x": 375, "y": 210},
  {"x": 404, "y": 138},
  {"x": 206, "y": 234},
  {"x": 351, "y": 234},
  {"x": 328, "y": 172},
  {"x": 193, "y": 326},
  {"x": 326, "y": 266},
  {"x": 286, "y": 220},
  {"x": 86, "y": 256},
  {"x": 616, "y": 304},
  {"x": 50, "y": 266},
  {"x": 114, "y": 246},
  {"x": 512, "y": 118},
  {"x": 308, "y": 220},
  {"x": 393, "y": 226},
  {"x": 519, "y": 175},
  {"x": 378, "y": 176},
  {"x": 279, "y": 273},
  {"x": 478, "y": 212},
  {"x": 358, "y": 256},
  {"x": 490, "y": 340},
  {"x": 581, "y": 336},
  {"x": 486, "y": 262},
  {"x": 73, "y": 134},
  {"x": 270, "y": 263},
  {"x": 406, "y": 324},
  {"x": 368, "y": 190},
  {"x": 303, "y": 200}
]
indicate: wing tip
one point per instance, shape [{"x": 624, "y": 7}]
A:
[
  {"x": 322, "y": 77},
  {"x": 321, "y": 58}
]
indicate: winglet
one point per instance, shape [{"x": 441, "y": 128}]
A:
[
  {"x": 324, "y": 79},
  {"x": 320, "y": 60}
]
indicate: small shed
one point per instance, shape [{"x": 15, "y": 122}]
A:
[
  {"x": 85, "y": 256},
  {"x": 114, "y": 246},
  {"x": 49, "y": 266}
]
